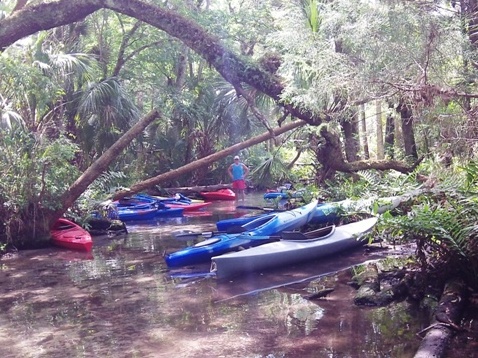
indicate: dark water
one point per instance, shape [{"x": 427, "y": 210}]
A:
[{"x": 122, "y": 301}]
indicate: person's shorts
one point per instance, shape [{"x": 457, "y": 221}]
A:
[{"x": 239, "y": 184}]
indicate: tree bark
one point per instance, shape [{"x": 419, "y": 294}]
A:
[
  {"x": 390, "y": 137},
  {"x": 446, "y": 320},
  {"x": 233, "y": 68},
  {"x": 335, "y": 159},
  {"x": 363, "y": 130},
  {"x": 351, "y": 135},
  {"x": 378, "y": 118},
  {"x": 406, "y": 115}
]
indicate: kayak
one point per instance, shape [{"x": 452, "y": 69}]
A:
[
  {"x": 221, "y": 194},
  {"x": 275, "y": 222},
  {"x": 275, "y": 195},
  {"x": 226, "y": 224},
  {"x": 67, "y": 234},
  {"x": 130, "y": 214},
  {"x": 216, "y": 245},
  {"x": 327, "y": 212},
  {"x": 324, "y": 212},
  {"x": 293, "y": 248},
  {"x": 253, "y": 233}
]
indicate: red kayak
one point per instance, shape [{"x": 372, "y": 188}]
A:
[
  {"x": 187, "y": 206},
  {"x": 221, "y": 194},
  {"x": 69, "y": 235}
]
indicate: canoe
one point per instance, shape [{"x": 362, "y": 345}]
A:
[
  {"x": 328, "y": 241},
  {"x": 221, "y": 194},
  {"x": 327, "y": 212},
  {"x": 69, "y": 235},
  {"x": 169, "y": 212},
  {"x": 256, "y": 232},
  {"x": 137, "y": 201}
]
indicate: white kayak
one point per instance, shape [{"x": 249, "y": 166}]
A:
[{"x": 323, "y": 242}]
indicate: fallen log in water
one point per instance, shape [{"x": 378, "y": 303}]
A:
[{"x": 446, "y": 320}]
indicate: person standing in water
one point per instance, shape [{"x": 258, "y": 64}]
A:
[{"x": 238, "y": 171}]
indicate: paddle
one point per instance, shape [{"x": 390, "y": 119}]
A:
[
  {"x": 190, "y": 235},
  {"x": 255, "y": 208}
]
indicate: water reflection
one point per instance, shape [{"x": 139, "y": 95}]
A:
[{"x": 124, "y": 302}]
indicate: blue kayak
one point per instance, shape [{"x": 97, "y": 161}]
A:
[
  {"x": 323, "y": 213},
  {"x": 128, "y": 214},
  {"x": 275, "y": 195},
  {"x": 227, "y": 224},
  {"x": 253, "y": 233},
  {"x": 143, "y": 207}
]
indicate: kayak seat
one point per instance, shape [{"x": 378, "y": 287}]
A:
[{"x": 235, "y": 229}]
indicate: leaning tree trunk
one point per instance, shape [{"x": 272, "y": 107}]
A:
[
  {"x": 100, "y": 165},
  {"x": 351, "y": 136}
]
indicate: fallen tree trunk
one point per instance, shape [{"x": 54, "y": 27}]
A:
[
  {"x": 186, "y": 190},
  {"x": 445, "y": 323},
  {"x": 148, "y": 183}
]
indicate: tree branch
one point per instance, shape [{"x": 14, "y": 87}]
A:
[{"x": 233, "y": 68}]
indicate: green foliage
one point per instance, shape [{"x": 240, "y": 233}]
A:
[
  {"x": 443, "y": 224},
  {"x": 270, "y": 172},
  {"x": 97, "y": 193},
  {"x": 471, "y": 175},
  {"x": 36, "y": 172}
]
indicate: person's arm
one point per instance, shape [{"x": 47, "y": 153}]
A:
[{"x": 229, "y": 170}]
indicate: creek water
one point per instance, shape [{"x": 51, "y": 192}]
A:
[{"x": 122, "y": 301}]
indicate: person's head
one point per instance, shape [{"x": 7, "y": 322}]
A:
[{"x": 236, "y": 159}]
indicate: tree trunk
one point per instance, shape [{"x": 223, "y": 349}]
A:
[
  {"x": 363, "y": 130},
  {"x": 351, "y": 135},
  {"x": 390, "y": 137},
  {"x": 378, "y": 118},
  {"x": 406, "y": 115}
]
